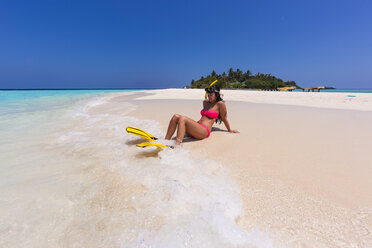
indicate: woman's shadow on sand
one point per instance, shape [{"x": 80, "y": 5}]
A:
[{"x": 155, "y": 152}]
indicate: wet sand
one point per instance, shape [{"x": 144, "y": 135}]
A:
[{"x": 304, "y": 172}]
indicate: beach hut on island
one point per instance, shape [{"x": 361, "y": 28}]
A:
[
  {"x": 318, "y": 88},
  {"x": 291, "y": 88}
]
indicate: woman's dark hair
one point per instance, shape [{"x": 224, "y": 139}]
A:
[{"x": 218, "y": 98}]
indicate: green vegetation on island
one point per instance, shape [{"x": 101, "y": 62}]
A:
[{"x": 239, "y": 80}]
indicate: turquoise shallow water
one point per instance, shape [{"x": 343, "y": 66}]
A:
[
  {"x": 20, "y": 101},
  {"x": 12, "y": 95}
]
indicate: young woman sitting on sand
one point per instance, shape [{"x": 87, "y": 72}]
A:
[{"x": 214, "y": 110}]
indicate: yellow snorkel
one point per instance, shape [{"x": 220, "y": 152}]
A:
[{"x": 210, "y": 86}]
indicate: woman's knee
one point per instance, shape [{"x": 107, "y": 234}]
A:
[
  {"x": 176, "y": 118},
  {"x": 182, "y": 119}
]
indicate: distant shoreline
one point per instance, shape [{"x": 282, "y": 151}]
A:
[
  {"x": 297, "y": 90},
  {"x": 331, "y": 100}
]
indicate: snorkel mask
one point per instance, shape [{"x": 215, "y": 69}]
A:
[
  {"x": 212, "y": 89},
  {"x": 209, "y": 88}
]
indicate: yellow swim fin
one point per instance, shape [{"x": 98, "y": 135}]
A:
[
  {"x": 147, "y": 144},
  {"x": 215, "y": 81},
  {"x": 140, "y": 133}
]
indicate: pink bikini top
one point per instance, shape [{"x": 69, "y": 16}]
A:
[{"x": 210, "y": 113}]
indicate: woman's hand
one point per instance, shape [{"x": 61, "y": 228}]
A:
[{"x": 234, "y": 131}]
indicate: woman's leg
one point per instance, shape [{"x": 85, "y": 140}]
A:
[
  {"x": 187, "y": 125},
  {"x": 172, "y": 126}
]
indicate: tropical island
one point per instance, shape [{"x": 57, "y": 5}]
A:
[{"x": 239, "y": 80}]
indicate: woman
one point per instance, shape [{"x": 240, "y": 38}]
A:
[{"x": 214, "y": 110}]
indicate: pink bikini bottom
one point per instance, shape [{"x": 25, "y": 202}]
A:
[{"x": 207, "y": 130}]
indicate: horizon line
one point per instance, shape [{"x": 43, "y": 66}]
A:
[{"x": 84, "y": 89}]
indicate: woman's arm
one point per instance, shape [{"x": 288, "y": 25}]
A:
[{"x": 223, "y": 113}]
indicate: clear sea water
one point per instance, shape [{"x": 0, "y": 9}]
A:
[
  {"x": 26, "y": 95},
  {"x": 12, "y": 101}
]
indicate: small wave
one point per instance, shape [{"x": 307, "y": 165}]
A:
[{"x": 152, "y": 198}]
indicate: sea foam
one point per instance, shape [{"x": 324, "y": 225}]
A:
[{"x": 84, "y": 183}]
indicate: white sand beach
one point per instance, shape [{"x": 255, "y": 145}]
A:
[
  {"x": 302, "y": 160},
  {"x": 354, "y": 101}
]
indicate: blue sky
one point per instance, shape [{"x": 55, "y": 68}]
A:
[{"x": 158, "y": 44}]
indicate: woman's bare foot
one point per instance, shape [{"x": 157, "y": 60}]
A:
[{"x": 178, "y": 142}]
